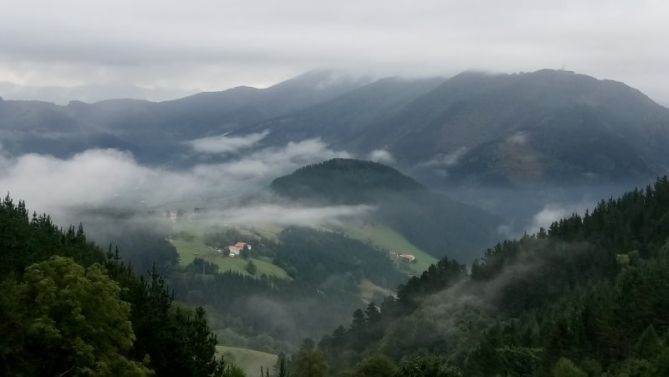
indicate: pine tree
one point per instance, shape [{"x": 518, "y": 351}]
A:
[
  {"x": 281, "y": 367},
  {"x": 309, "y": 361},
  {"x": 649, "y": 344},
  {"x": 566, "y": 368}
]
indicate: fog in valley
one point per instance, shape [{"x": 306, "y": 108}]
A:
[{"x": 378, "y": 189}]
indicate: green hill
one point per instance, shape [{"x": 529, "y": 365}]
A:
[
  {"x": 346, "y": 181},
  {"x": 388, "y": 239},
  {"x": 432, "y": 222}
]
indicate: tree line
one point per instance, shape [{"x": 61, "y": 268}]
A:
[
  {"x": 69, "y": 308},
  {"x": 589, "y": 296}
]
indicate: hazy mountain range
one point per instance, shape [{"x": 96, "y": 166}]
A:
[
  {"x": 62, "y": 95},
  {"x": 477, "y": 129}
]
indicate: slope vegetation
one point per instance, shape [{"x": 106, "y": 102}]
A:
[
  {"x": 430, "y": 221},
  {"x": 588, "y": 296}
]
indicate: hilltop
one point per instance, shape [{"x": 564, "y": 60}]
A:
[{"x": 433, "y": 222}]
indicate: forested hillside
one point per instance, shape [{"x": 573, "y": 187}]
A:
[
  {"x": 587, "y": 297},
  {"x": 69, "y": 308},
  {"x": 325, "y": 275},
  {"x": 434, "y": 222}
]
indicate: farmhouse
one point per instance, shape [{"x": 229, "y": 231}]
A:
[
  {"x": 237, "y": 248},
  {"x": 242, "y": 245}
]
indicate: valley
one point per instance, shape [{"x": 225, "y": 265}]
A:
[{"x": 478, "y": 225}]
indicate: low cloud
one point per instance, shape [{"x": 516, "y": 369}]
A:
[
  {"x": 107, "y": 178},
  {"x": 223, "y": 144},
  {"x": 553, "y": 212},
  {"x": 284, "y": 215},
  {"x": 94, "y": 177},
  {"x": 519, "y": 137},
  {"x": 218, "y": 44},
  {"x": 381, "y": 156},
  {"x": 442, "y": 163},
  {"x": 446, "y": 160}
]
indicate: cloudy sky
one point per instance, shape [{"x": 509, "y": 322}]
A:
[{"x": 167, "y": 47}]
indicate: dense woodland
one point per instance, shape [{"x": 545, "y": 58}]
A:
[
  {"x": 70, "y": 309},
  {"x": 271, "y": 314},
  {"x": 587, "y": 297},
  {"x": 431, "y": 221}
]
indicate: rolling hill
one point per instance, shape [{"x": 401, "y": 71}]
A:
[{"x": 432, "y": 222}]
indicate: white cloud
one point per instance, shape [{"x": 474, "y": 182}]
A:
[
  {"x": 213, "y": 44},
  {"x": 446, "y": 160},
  {"x": 553, "y": 212},
  {"x": 94, "y": 177},
  {"x": 324, "y": 216},
  {"x": 113, "y": 178},
  {"x": 381, "y": 156},
  {"x": 519, "y": 137},
  {"x": 223, "y": 144}
]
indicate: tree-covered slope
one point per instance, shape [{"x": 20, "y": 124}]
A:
[
  {"x": 345, "y": 181},
  {"x": 68, "y": 308},
  {"x": 587, "y": 297},
  {"x": 433, "y": 222},
  {"x": 326, "y": 274}
]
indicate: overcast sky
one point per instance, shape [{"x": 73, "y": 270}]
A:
[{"x": 179, "y": 46}]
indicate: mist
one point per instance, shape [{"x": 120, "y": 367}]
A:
[
  {"x": 224, "y": 144},
  {"x": 215, "y": 45},
  {"x": 113, "y": 178}
]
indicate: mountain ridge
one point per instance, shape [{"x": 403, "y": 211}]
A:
[{"x": 471, "y": 129}]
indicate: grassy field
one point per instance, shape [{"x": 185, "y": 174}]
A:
[
  {"x": 189, "y": 249},
  {"x": 375, "y": 234},
  {"x": 248, "y": 360},
  {"x": 386, "y": 238}
]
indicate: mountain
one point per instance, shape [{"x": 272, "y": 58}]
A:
[
  {"x": 344, "y": 119},
  {"x": 586, "y": 297},
  {"x": 156, "y": 131},
  {"x": 547, "y": 126},
  {"x": 88, "y": 93},
  {"x": 433, "y": 222}
]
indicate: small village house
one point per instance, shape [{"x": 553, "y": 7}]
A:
[{"x": 237, "y": 248}]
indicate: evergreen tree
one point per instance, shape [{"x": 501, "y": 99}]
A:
[
  {"x": 281, "y": 367},
  {"x": 427, "y": 366},
  {"x": 649, "y": 344},
  {"x": 168, "y": 341},
  {"x": 67, "y": 319},
  {"x": 309, "y": 361},
  {"x": 566, "y": 368},
  {"x": 375, "y": 366}
]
